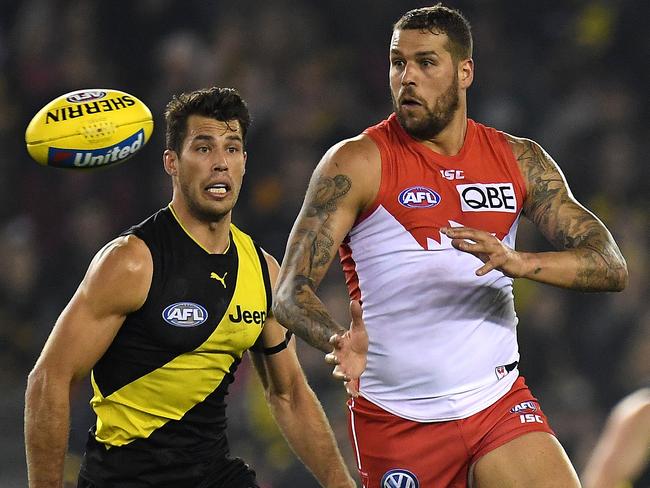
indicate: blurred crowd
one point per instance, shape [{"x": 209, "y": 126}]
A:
[{"x": 572, "y": 75}]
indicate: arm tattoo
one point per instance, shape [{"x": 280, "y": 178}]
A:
[
  {"x": 309, "y": 255},
  {"x": 566, "y": 224}
]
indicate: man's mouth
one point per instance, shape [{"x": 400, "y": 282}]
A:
[
  {"x": 409, "y": 102},
  {"x": 218, "y": 188}
]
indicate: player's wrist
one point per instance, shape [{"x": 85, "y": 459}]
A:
[{"x": 530, "y": 265}]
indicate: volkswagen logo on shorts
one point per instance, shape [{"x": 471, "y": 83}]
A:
[
  {"x": 185, "y": 314},
  {"x": 418, "y": 197},
  {"x": 399, "y": 478}
]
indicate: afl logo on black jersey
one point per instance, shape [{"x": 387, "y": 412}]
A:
[{"x": 185, "y": 314}]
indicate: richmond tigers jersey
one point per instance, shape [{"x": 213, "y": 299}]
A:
[
  {"x": 442, "y": 340},
  {"x": 159, "y": 390}
]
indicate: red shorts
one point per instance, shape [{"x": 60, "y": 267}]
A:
[{"x": 395, "y": 452}]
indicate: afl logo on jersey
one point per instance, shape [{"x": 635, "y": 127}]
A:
[
  {"x": 399, "y": 478},
  {"x": 419, "y": 197},
  {"x": 185, "y": 314}
]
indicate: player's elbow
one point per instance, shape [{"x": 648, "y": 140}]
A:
[
  {"x": 283, "y": 303},
  {"x": 621, "y": 276},
  {"x": 37, "y": 384}
]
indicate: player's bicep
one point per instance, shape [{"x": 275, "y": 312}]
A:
[
  {"x": 342, "y": 185},
  {"x": 116, "y": 283},
  {"x": 549, "y": 203}
]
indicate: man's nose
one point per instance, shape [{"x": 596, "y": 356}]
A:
[
  {"x": 220, "y": 162},
  {"x": 408, "y": 75}
]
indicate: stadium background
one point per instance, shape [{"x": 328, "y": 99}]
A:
[{"x": 573, "y": 75}]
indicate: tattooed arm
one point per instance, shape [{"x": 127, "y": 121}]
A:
[
  {"x": 588, "y": 258},
  {"x": 344, "y": 183}
]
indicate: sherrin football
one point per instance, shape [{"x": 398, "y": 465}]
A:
[{"x": 87, "y": 129}]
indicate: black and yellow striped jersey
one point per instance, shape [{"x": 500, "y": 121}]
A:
[{"x": 159, "y": 390}]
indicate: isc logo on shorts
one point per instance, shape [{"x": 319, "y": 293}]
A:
[
  {"x": 399, "y": 478},
  {"x": 488, "y": 197}
]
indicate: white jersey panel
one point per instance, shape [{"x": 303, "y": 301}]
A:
[{"x": 437, "y": 331}]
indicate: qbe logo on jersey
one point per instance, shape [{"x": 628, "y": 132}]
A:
[
  {"x": 399, "y": 478},
  {"x": 487, "y": 197},
  {"x": 185, "y": 314}
]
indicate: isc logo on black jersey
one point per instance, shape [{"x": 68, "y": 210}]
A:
[{"x": 487, "y": 197}]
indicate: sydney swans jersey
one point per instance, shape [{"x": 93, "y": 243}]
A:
[
  {"x": 159, "y": 390},
  {"x": 442, "y": 340}
]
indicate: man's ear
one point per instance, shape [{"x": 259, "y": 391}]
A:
[
  {"x": 245, "y": 159},
  {"x": 466, "y": 73},
  {"x": 170, "y": 161}
]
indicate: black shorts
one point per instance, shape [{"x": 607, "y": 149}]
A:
[{"x": 229, "y": 473}]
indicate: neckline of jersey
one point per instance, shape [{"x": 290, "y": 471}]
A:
[
  {"x": 188, "y": 234},
  {"x": 430, "y": 153}
]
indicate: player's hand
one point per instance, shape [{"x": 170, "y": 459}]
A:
[
  {"x": 488, "y": 248},
  {"x": 350, "y": 351}
]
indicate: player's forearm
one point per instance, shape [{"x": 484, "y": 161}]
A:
[
  {"x": 583, "y": 269},
  {"x": 311, "y": 439},
  {"x": 297, "y": 307},
  {"x": 47, "y": 414}
]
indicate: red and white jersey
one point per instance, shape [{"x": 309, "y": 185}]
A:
[{"x": 440, "y": 336}]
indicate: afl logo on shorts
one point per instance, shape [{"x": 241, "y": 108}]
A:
[
  {"x": 185, "y": 314},
  {"x": 399, "y": 478},
  {"x": 418, "y": 197}
]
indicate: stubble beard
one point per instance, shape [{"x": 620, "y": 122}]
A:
[
  {"x": 436, "y": 119},
  {"x": 203, "y": 212}
]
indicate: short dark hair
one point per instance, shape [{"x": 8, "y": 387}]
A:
[
  {"x": 222, "y": 104},
  {"x": 440, "y": 19}
]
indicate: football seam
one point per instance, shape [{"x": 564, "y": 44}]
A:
[{"x": 43, "y": 141}]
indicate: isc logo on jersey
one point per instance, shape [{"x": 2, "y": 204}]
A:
[
  {"x": 80, "y": 158},
  {"x": 418, "y": 197},
  {"x": 185, "y": 314},
  {"x": 487, "y": 197}
]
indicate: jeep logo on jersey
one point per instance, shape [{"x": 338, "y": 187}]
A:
[
  {"x": 399, "y": 478},
  {"x": 185, "y": 314},
  {"x": 419, "y": 197},
  {"x": 489, "y": 197},
  {"x": 257, "y": 316}
]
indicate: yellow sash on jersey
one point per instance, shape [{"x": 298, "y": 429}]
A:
[{"x": 139, "y": 408}]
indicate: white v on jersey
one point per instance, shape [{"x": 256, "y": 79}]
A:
[{"x": 440, "y": 336}]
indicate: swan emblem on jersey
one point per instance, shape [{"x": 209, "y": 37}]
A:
[
  {"x": 399, "y": 478},
  {"x": 185, "y": 314},
  {"x": 418, "y": 197},
  {"x": 219, "y": 278}
]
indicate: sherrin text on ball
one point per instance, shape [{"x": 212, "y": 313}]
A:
[{"x": 87, "y": 129}]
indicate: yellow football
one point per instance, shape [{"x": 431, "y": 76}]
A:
[{"x": 87, "y": 129}]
